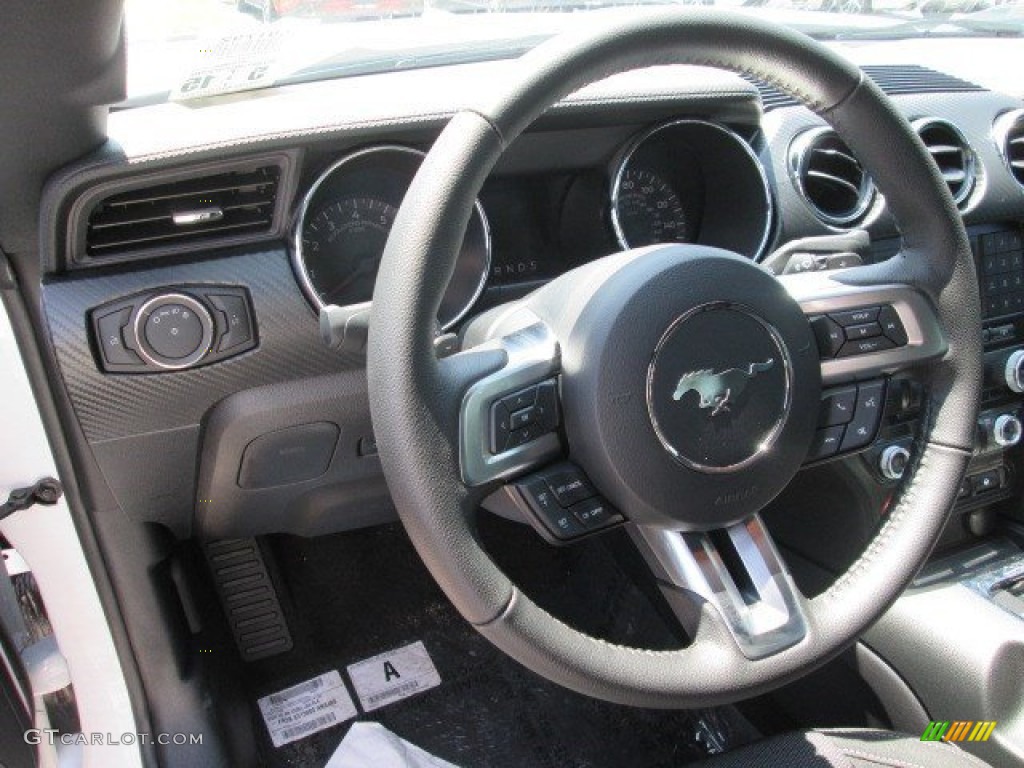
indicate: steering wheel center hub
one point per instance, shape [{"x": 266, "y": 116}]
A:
[
  {"x": 691, "y": 385},
  {"x": 719, "y": 388}
]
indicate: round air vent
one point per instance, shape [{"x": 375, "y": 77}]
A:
[
  {"x": 951, "y": 152},
  {"x": 830, "y": 178},
  {"x": 1009, "y": 133}
]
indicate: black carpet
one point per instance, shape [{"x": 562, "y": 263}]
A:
[{"x": 358, "y": 594}]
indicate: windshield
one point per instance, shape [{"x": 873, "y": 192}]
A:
[{"x": 192, "y": 49}]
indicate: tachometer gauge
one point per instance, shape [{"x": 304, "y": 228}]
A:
[
  {"x": 344, "y": 224},
  {"x": 342, "y": 244},
  {"x": 648, "y": 210}
]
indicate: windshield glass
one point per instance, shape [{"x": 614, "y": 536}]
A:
[{"x": 190, "y": 49}]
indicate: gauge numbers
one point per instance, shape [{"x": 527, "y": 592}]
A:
[
  {"x": 343, "y": 243},
  {"x": 648, "y": 210}
]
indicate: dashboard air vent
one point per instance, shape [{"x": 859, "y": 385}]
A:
[
  {"x": 1009, "y": 133},
  {"x": 183, "y": 212},
  {"x": 829, "y": 177},
  {"x": 951, "y": 152}
]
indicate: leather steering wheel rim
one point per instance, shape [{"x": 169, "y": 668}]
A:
[{"x": 413, "y": 395}]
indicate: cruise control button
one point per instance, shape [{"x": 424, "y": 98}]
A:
[
  {"x": 569, "y": 485},
  {"x": 826, "y": 443},
  {"x": 892, "y": 326},
  {"x": 866, "y": 417},
  {"x": 865, "y": 346},
  {"x": 112, "y": 340},
  {"x": 865, "y": 331},
  {"x": 560, "y": 522},
  {"x": 855, "y": 316},
  {"x": 829, "y": 335},
  {"x": 837, "y": 406},
  {"x": 595, "y": 513}
]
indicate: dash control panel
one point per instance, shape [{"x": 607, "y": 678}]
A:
[
  {"x": 173, "y": 329},
  {"x": 858, "y": 331}
]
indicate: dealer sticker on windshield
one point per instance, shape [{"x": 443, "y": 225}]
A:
[
  {"x": 232, "y": 63},
  {"x": 307, "y": 708},
  {"x": 393, "y": 676}
]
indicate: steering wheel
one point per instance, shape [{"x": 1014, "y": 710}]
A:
[{"x": 619, "y": 337}]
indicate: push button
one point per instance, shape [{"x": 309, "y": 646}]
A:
[
  {"x": 569, "y": 485},
  {"x": 562, "y": 523},
  {"x": 855, "y": 316},
  {"x": 826, "y": 443},
  {"x": 111, "y": 339},
  {"x": 892, "y": 326},
  {"x": 837, "y": 406},
  {"x": 501, "y": 427},
  {"x": 865, "y": 346},
  {"x": 520, "y": 400},
  {"x": 866, "y": 417},
  {"x": 829, "y": 335},
  {"x": 239, "y": 328},
  {"x": 523, "y": 418},
  {"x": 865, "y": 331},
  {"x": 595, "y": 513},
  {"x": 546, "y": 407}
]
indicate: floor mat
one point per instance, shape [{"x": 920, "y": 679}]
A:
[{"x": 358, "y": 594}]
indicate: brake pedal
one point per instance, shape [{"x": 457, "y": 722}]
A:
[{"x": 249, "y": 598}]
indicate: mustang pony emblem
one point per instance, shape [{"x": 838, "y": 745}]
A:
[{"x": 716, "y": 390}]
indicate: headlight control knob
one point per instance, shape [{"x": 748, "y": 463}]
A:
[
  {"x": 893, "y": 462},
  {"x": 1007, "y": 430},
  {"x": 173, "y": 331}
]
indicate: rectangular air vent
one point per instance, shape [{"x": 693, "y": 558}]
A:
[{"x": 183, "y": 213}]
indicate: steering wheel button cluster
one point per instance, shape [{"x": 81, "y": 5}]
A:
[
  {"x": 858, "y": 331},
  {"x": 562, "y": 503},
  {"x": 522, "y": 417},
  {"x": 848, "y": 420}
]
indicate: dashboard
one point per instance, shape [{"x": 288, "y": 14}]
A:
[{"x": 184, "y": 284}]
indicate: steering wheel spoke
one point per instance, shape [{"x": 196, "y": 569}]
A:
[
  {"x": 738, "y": 571},
  {"x": 867, "y": 331},
  {"x": 509, "y": 419}
]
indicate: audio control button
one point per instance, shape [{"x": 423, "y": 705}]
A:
[{"x": 892, "y": 326}]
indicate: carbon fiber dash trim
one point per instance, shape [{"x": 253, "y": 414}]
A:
[{"x": 110, "y": 406}]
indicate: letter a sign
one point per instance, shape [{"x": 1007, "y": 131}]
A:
[{"x": 392, "y": 676}]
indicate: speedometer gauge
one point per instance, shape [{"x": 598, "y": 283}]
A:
[
  {"x": 345, "y": 222},
  {"x": 648, "y": 210}
]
